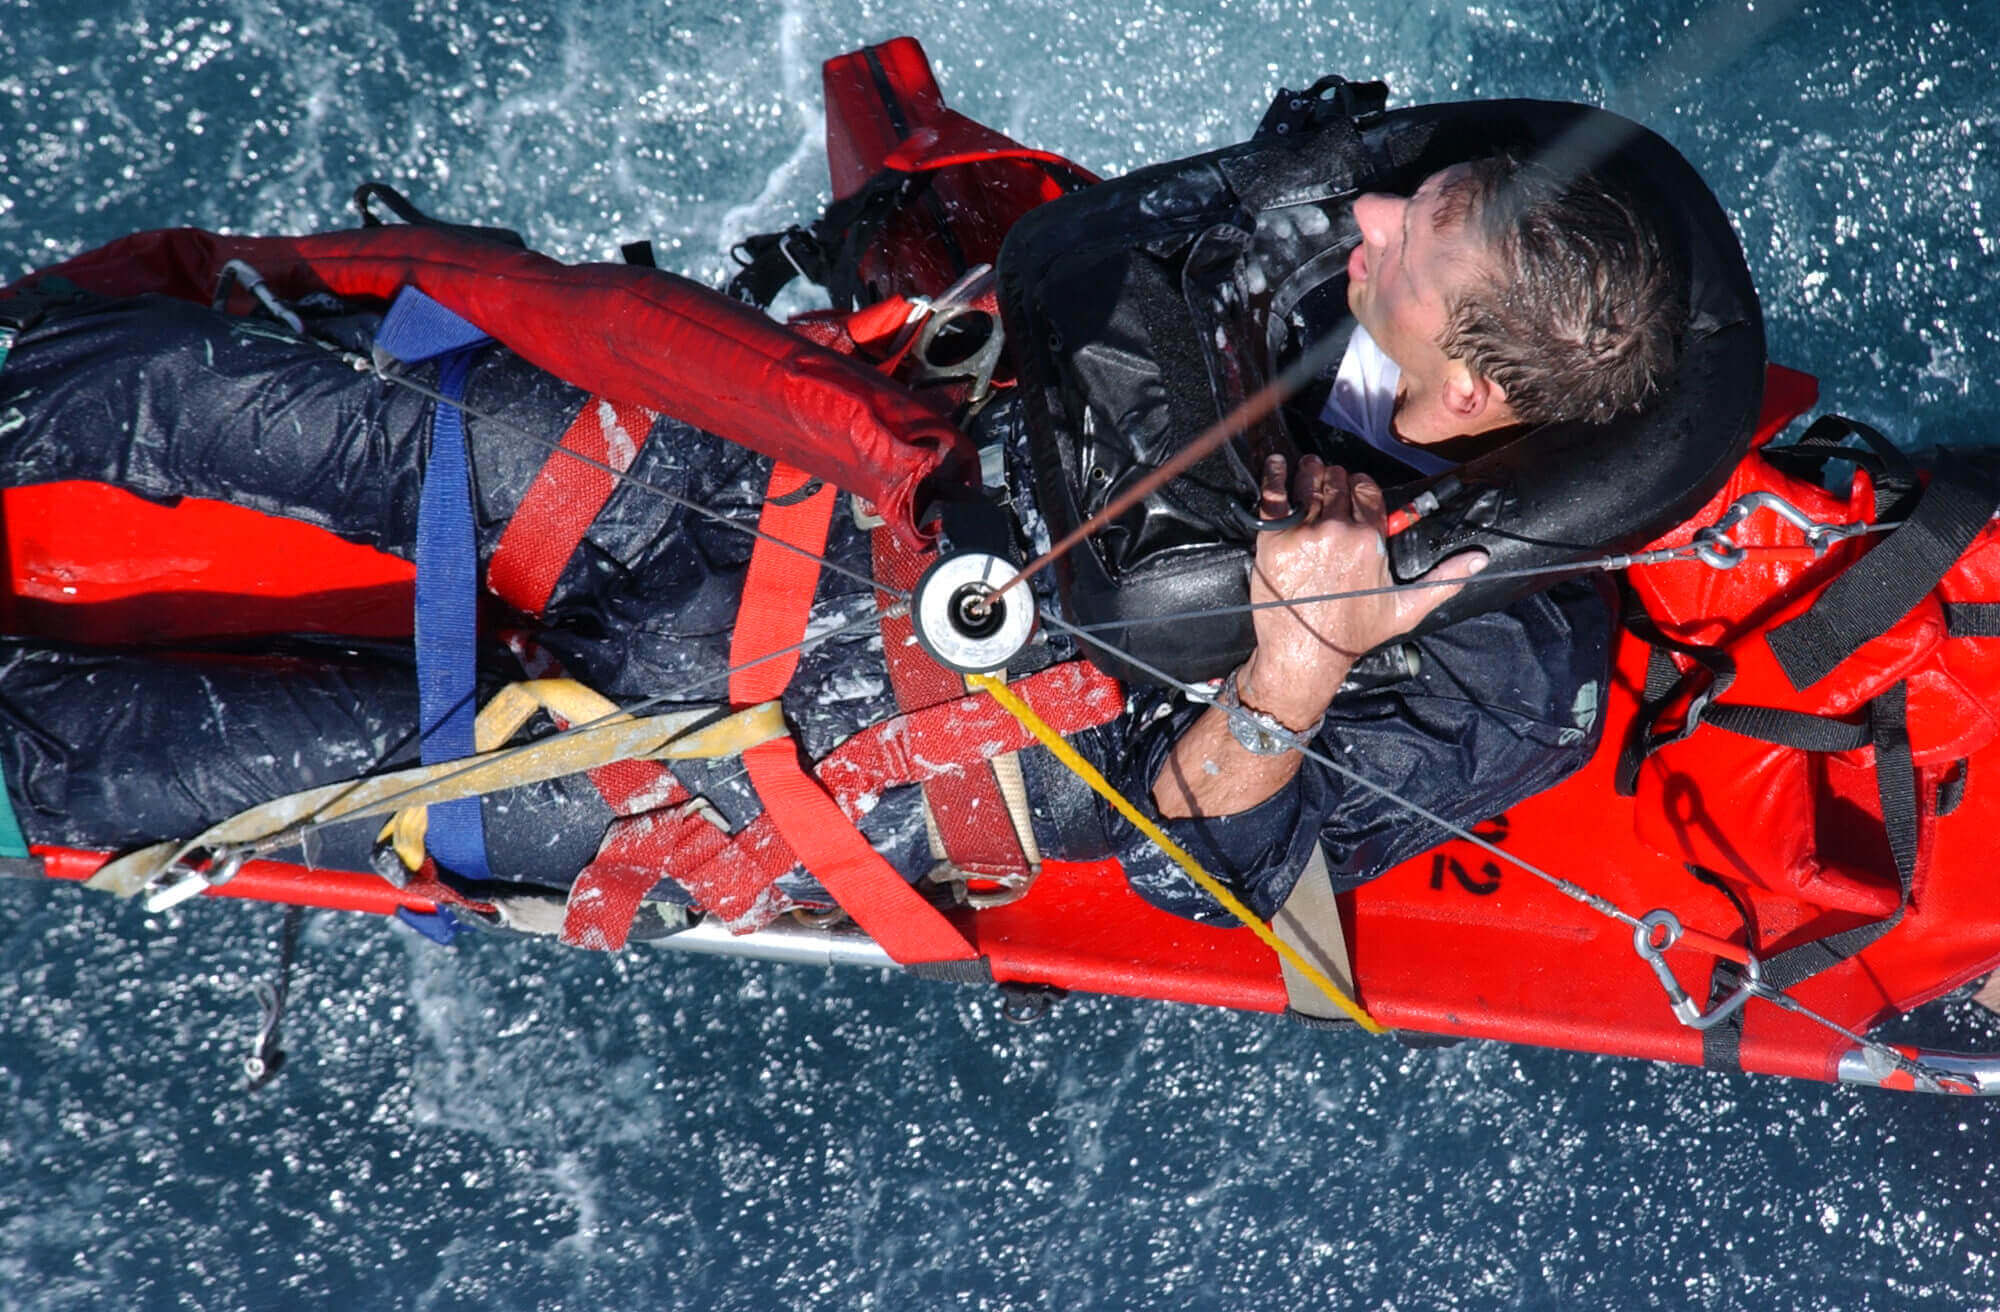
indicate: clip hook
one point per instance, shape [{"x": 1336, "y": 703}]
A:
[
  {"x": 1713, "y": 545},
  {"x": 181, "y": 878},
  {"x": 1667, "y": 925}
]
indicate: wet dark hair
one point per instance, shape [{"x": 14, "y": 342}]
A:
[{"x": 1580, "y": 318}]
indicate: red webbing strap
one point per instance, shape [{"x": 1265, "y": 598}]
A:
[
  {"x": 779, "y": 586},
  {"x": 565, "y": 496},
  {"x": 865, "y": 885},
  {"x": 777, "y": 600},
  {"x": 943, "y": 739},
  {"x": 638, "y": 851},
  {"x": 424, "y": 883},
  {"x": 658, "y": 833},
  {"x": 912, "y": 749},
  {"x": 967, "y": 806}
]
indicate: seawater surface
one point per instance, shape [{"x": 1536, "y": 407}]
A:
[{"x": 518, "y": 1126}]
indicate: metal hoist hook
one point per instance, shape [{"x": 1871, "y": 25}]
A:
[{"x": 266, "y": 1057}]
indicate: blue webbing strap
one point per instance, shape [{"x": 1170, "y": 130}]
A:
[
  {"x": 440, "y": 926},
  {"x": 417, "y": 328}
]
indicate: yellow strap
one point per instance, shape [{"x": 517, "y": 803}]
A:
[
  {"x": 1087, "y": 772},
  {"x": 499, "y": 720}
]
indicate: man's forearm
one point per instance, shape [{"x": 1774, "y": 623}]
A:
[{"x": 1209, "y": 773}]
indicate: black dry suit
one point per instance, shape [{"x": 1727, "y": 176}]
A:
[{"x": 115, "y": 748}]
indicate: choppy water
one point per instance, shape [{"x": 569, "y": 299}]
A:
[{"x": 524, "y": 1127}]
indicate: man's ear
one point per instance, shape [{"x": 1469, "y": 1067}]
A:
[{"x": 1473, "y": 401}]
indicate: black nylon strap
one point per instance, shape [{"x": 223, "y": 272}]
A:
[
  {"x": 23, "y": 307},
  {"x": 1886, "y": 584},
  {"x": 1972, "y": 619},
  {"x": 1896, "y": 787},
  {"x": 1813, "y": 733},
  {"x": 829, "y": 252},
  {"x": 976, "y": 971},
  {"x": 403, "y": 208},
  {"x": 805, "y": 491},
  {"x": 1665, "y": 684},
  {"x": 1951, "y": 789},
  {"x": 1895, "y": 476},
  {"x": 1722, "y": 1045}
]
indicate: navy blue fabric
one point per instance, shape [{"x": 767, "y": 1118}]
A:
[
  {"x": 440, "y": 926},
  {"x": 416, "y": 329},
  {"x": 117, "y": 747},
  {"x": 168, "y": 399},
  {"x": 1504, "y": 705}
]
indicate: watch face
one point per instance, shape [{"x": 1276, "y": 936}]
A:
[
  {"x": 1257, "y": 732},
  {"x": 1254, "y": 731}
]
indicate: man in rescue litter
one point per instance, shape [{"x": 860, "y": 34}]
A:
[{"x": 1498, "y": 296}]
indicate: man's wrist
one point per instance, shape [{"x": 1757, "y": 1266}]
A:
[
  {"x": 1254, "y": 731},
  {"x": 1295, "y": 699}
]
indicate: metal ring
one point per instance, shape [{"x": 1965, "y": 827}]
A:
[
  {"x": 1256, "y": 524},
  {"x": 1642, "y": 934}
]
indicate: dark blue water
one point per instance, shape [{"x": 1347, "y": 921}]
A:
[{"x": 516, "y": 1126}]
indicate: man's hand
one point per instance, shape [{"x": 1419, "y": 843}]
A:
[{"x": 1305, "y": 651}]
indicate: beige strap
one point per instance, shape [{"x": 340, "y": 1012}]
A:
[
  {"x": 1014, "y": 792},
  {"x": 689, "y": 734},
  {"x": 1013, "y": 786},
  {"x": 1309, "y": 923}
]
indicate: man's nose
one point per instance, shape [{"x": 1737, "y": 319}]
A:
[{"x": 1379, "y": 216}]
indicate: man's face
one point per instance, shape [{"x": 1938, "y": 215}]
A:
[{"x": 1401, "y": 279}]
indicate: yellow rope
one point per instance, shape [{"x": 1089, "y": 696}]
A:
[{"x": 1087, "y": 772}]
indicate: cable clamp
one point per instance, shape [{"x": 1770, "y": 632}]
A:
[
  {"x": 1714, "y": 546},
  {"x": 188, "y": 877}
]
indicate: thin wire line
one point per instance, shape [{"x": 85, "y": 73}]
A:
[
  {"x": 1305, "y": 749},
  {"x": 402, "y": 379},
  {"x": 1567, "y": 887},
  {"x": 1908, "y": 1065}
]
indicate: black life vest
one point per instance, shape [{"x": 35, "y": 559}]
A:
[{"x": 1142, "y": 309}]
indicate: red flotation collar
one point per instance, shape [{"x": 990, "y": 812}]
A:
[{"x": 636, "y": 336}]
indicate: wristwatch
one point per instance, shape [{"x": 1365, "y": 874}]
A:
[{"x": 1257, "y": 732}]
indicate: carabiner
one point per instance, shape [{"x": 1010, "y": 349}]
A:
[{"x": 1715, "y": 547}]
